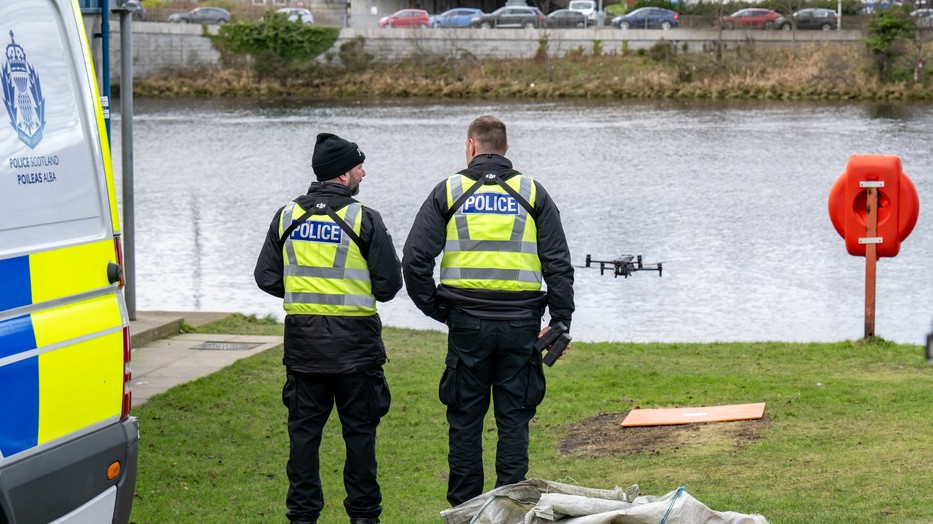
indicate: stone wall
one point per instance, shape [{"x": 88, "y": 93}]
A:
[{"x": 161, "y": 47}]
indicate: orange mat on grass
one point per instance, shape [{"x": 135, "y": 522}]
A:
[{"x": 671, "y": 416}]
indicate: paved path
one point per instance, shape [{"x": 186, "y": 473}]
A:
[{"x": 162, "y": 358}]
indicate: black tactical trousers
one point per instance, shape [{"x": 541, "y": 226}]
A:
[
  {"x": 497, "y": 358},
  {"x": 361, "y": 400}
]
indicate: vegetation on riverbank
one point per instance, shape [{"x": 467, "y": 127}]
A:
[
  {"x": 276, "y": 58},
  {"x": 843, "y": 439},
  {"x": 804, "y": 72}
]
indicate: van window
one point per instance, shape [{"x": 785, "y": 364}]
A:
[
  {"x": 582, "y": 5},
  {"x": 49, "y": 170}
]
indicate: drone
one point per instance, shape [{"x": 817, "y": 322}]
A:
[{"x": 625, "y": 265}]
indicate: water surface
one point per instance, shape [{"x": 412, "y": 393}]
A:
[{"x": 732, "y": 197}]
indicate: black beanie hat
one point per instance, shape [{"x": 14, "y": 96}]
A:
[{"x": 334, "y": 156}]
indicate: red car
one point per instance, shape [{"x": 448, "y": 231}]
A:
[
  {"x": 406, "y": 18},
  {"x": 751, "y": 18}
]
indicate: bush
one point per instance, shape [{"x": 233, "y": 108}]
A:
[
  {"x": 353, "y": 55},
  {"x": 888, "y": 32},
  {"x": 272, "y": 45},
  {"x": 662, "y": 51}
]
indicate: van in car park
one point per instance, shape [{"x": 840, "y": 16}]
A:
[
  {"x": 585, "y": 7},
  {"x": 68, "y": 445}
]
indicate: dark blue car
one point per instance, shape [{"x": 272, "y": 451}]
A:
[
  {"x": 647, "y": 18},
  {"x": 459, "y": 17}
]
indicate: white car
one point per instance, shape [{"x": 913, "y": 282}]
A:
[
  {"x": 587, "y": 7},
  {"x": 923, "y": 17},
  {"x": 296, "y": 14}
]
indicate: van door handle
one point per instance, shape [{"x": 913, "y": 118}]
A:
[{"x": 114, "y": 272}]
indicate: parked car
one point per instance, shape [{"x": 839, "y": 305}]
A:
[
  {"x": 296, "y": 14},
  {"x": 566, "y": 18},
  {"x": 459, "y": 17},
  {"x": 647, "y": 18},
  {"x": 923, "y": 18},
  {"x": 406, "y": 18},
  {"x": 586, "y": 7},
  {"x": 751, "y": 18},
  {"x": 201, "y": 15},
  {"x": 510, "y": 16},
  {"x": 809, "y": 18}
]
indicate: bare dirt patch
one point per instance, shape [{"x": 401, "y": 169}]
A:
[{"x": 604, "y": 436}]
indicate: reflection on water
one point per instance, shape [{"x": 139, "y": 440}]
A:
[{"x": 730, "y": 196}]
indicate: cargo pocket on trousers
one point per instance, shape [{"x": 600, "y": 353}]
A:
[
  {"x": 447, "y": 390},
  {"x": 536, "y": 386},
  {"x": 288, "y": 392},
  {"x": 380, "y": 398}
]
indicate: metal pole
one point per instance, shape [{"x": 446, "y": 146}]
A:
[
  {"x": 105, "y": 63},
  {"x": 871, "y": 223},
  {"x": 839, "y": 15},
  {"x": 126, "y": 141}
]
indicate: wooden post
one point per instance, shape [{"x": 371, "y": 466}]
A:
[{"x": 871, "y": 224}]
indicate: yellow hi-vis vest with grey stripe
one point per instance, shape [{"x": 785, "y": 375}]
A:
[
  {"x": 491, "y": 239},
  {"x": 325, "y": 273}
]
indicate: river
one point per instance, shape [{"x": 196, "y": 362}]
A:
[{"x": 730, "y": 196}]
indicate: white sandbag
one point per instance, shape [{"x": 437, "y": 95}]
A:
[{"x": 537, "y": 501}]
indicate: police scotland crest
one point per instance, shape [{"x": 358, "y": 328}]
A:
[{"x": 22, "y": 95}]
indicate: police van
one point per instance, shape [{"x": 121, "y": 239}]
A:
[{"x": 68, "y": 445}]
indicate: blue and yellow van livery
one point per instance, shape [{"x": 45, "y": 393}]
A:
[{"x": 68, "y": 445}]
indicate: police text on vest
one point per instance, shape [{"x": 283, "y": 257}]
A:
[
  {"x": 318, "y": 232},
  {"x": 487, "y": 203}
]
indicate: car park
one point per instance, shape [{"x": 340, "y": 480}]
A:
[
  {"x": 810, "y": 18},
  {"x": 565, "y": 18},
  {"x": 511, "y": 16},
  {"x": 297, "y": 14},
  {"x": 201, "y": 15},
  {"x": 458, "y": 17},
  {"x": 406, "y": 18},
  {"x": 751, "y": 18},
  {"x": 647, "y": 18}
]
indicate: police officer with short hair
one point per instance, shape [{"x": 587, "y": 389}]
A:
[
  {"x": 331, "y": 259},
  {"x": 501, "y": 235}
]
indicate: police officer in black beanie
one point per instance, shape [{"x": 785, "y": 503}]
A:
[{"x": 331, "y": 259}]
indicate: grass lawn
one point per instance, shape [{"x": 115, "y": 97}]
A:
[{"x": 846, "y": 438}]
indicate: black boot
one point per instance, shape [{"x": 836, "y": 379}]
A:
[{"x": 364, "y": 520}]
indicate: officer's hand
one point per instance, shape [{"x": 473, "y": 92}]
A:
[
  {"x": 544, "y": 331},
  {"x": 564, "y": 352}
]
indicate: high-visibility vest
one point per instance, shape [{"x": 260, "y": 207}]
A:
[
  {"x": 491, "y": 239},
  {"x": 325, "y": 273}
]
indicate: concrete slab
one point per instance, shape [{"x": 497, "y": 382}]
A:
[{"x": 166, "y": 359}]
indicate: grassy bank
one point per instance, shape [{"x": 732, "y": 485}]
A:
[
  {"x": 845, "y": 438},
  {"x": 801, "y": 73}
]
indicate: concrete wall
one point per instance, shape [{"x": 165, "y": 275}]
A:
[
  {"x": 162, "y": 47},
  {"x": 395, "y": 44}
]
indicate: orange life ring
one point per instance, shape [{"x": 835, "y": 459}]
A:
[{"x": 898, "y": 203}]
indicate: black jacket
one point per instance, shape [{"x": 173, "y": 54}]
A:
[
  {"x": 334, "y": 345},
  {"x": 426, "y": 241}
]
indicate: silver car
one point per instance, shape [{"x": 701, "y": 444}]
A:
[
  {"x": 923, "y": 18},
  {"x": 297, "y": 14},
  {"x": 201, "y": 15}
]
